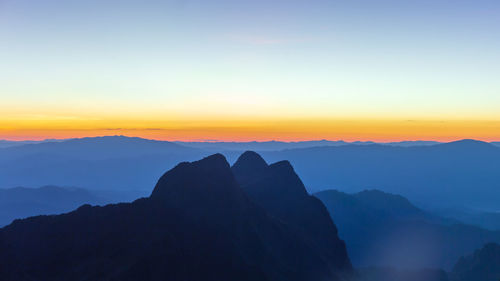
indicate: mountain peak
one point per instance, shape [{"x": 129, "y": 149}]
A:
[
  {"x": 280, "y": 191},
  {"x": 249, "y": 166},
  {"x": 283, "y": 166},
  {"x": 250, "y": 159},
  {"x": 284, "y": 174},
  {"x": 216, "y": 158},
  {"x": 199, "y": 184}
]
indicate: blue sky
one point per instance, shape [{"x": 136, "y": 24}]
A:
[{"x": 250, "y": 59}]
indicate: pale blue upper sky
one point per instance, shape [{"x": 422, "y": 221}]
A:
[{"x": 367, "y": 59}]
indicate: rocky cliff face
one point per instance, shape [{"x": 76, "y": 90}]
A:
[{"x": 279, "y": 190}]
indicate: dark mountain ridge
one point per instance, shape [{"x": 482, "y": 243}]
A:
[
  {"x": 483, "y": 264},
  {"x": 198, "y": 224},
  {"x": 279, "y": 190}
]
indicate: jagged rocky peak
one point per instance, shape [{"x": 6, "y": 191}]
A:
[
  {"x": 287, "y": 178},
  {"x": 186, "y": 175},
  {"x": 205, "y": 183},
  {"x": 280, "y": 191},
  {"x": 251, "y": 168}
]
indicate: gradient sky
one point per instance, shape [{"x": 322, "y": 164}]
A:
[{"x": 250, "y": 70}]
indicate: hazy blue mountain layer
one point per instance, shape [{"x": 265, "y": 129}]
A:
[
  {"x": 21, "y": 202},
  {"x": 105, "y": 163},
  {"x": 464, "y": 173},
  {"x": 382, "y": 229}
]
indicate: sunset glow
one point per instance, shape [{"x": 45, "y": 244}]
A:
[
  {"x": 260, "y": 130},
  {"x": 250, "y": 70}
]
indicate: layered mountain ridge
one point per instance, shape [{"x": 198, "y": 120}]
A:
[
  {"x": 22, "y": 202},
  {"x": 382, "y": 229},
  {"x": 198, "y": 224}
]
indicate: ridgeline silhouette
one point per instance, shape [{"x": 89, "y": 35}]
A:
[{"x": 198, "y": 224}]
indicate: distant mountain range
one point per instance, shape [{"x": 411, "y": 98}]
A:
[
  {"x": 382, "y": 229},
  {"x": 487, "y": 220},
  {"x": 424, "y": 172},
  {"x": 104, "y": 163},
  {"x": 23, "y": 202},
  {"x": 279, "y": 145},
  {"x": 198, "y": 224},
  {"x": 463, "y": 173},
  {"x": 6, "y": 143},
  {"x": 243, "y": 146}
]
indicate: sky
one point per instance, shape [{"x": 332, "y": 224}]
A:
[{"x": 382, "y": 70}]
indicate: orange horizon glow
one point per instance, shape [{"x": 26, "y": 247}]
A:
[{"x": 256, "y": 130}]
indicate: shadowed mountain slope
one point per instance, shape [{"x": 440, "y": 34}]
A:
[
  {"x": 383, "y": 229},
  {"x": 198, "y": 224},
  {"x": 483, "y": 264},
  {"x": 279, "y": 190}
]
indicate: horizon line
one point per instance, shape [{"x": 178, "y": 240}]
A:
[{"x": 246, "y": 141}]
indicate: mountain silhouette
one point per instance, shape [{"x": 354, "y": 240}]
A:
[
  {"x": 382, "y": 229},
  {"x": 198, "y": 224},
  {"x": 483, "y": 264},
  {"x": 279, "y": 190}
]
